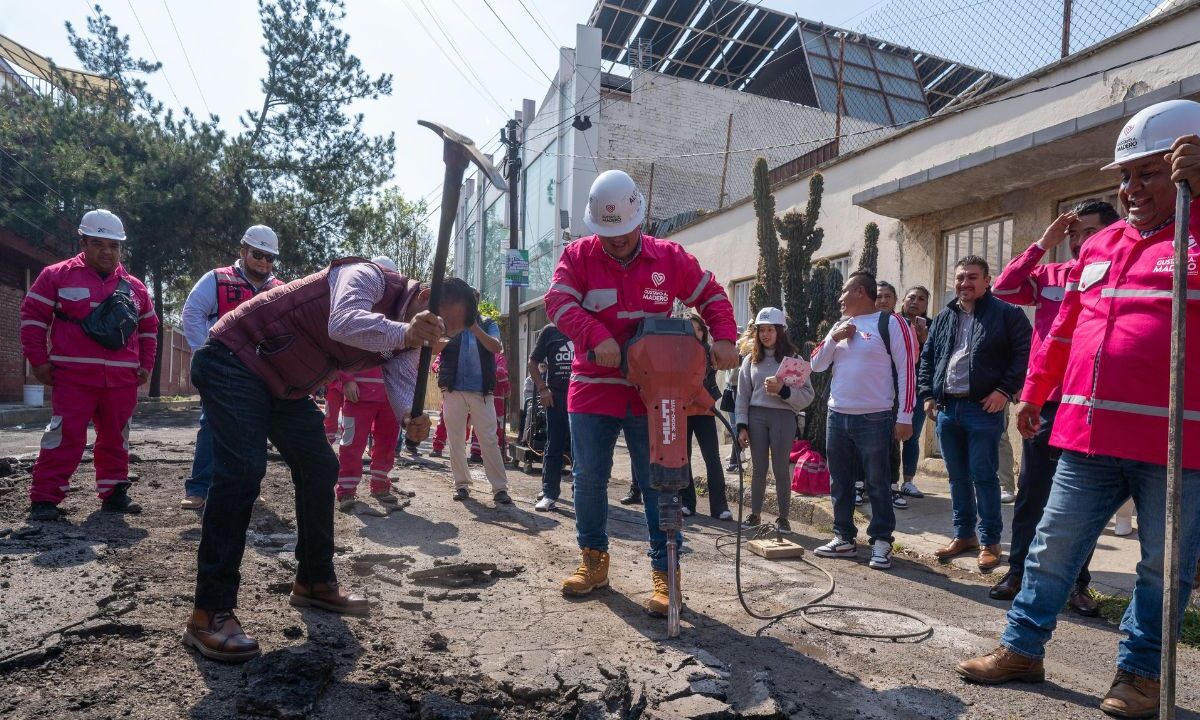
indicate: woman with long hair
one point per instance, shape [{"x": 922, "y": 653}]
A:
[
  {"x": 767, "y": 410},
  {"x": 704, "y": 429}
]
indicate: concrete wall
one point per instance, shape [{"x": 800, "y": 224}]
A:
[{"x": 909, "y": 252}]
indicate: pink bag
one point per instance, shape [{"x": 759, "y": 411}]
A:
[{"x": 811, "y": 475}]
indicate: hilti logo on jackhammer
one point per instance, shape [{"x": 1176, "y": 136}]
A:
[{"x": 669, "y": 428}]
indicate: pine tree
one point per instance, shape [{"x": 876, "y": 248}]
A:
[
  {"x": 802, "y": 238},
  {"x": 767, "y": 289},
  {"x": 868, "y": 260}
]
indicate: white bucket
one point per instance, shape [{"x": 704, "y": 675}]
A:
[{"x": 35, "y": 395}]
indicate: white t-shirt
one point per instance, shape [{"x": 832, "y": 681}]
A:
[{"x": 862, "y": 370}]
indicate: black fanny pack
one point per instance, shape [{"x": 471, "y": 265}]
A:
[{"x": 112, "y": 322}]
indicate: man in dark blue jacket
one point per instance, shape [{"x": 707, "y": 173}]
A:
[{"x": 972, "y": 367}]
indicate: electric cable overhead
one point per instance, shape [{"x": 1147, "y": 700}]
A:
[
  {"x": 482, "y": 91},
  {"x": 166, "y": 78},
  {"x": 487, "y": 37},
  {"x": 539, "y": 25},
  {"x": 520, "y": 44},
  {"x": 187, "y": 58}
]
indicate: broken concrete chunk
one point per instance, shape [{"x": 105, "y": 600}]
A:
[
  {"x": 693, "y": 707},
  {"x": 286, "y": 683}
]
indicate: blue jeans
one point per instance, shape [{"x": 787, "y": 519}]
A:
[
  {"x": 970, "y": 438},
  {"x": 1086, "y": 492},
  {"x": 593, "y": 439},
  {"x": 858, "y": 447},
  {"x": 912, "y": 446},
  {"x": 558, "y": 439},
  {"x": 202, "y": 462}
]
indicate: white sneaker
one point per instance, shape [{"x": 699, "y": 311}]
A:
[
  {"x": 726, "y": 515},
  {"x": 898, "y": 499},
  {"x": 837, "y": 548},
  {"x": 1124, "y": 526},
  {"x": 1007, "y": 498},
  {"x": 910, "y": 489},
  {"x": 687, "y": 512},
  {"x": 545, "y": 505},
  {"x": 881, "y": 555}
]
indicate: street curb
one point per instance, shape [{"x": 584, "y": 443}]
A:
[
  {"x": 805, "y": 509},
  {"x": 41, "y": 415}
]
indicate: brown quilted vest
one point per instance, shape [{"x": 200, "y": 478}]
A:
[{"x": 282, "y": 335}]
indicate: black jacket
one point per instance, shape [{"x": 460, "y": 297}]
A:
[
  {"x": 999, "y": 350},
  {"x": 448, "y": 365}
]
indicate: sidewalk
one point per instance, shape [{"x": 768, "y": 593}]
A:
[
  {"x": 926, "y": 525},
  {"x": 16, "y": 414}
]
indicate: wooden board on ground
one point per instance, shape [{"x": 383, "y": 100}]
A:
[{"x": 775, "y": 548}]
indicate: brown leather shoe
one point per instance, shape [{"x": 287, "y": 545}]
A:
[
  {"x": 218, "y": 635},
  {"x": 327, "y": 596},
  {"x": 1000, "y": 666},
  {"x": 1082, "y": 602},
  {"x": 957, "y": 547},
  {"x": 1007, "y": 588},
  {"x": 1131, "y": 696},
  {"x": 989, "y": 557}
]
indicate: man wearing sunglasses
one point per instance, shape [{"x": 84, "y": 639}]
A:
[{"x": 214, "y": 295}]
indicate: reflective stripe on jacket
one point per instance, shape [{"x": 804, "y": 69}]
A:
[
  {"x": 73, "y": 289},
  {"x": 1110, "y": 348},
  {"x": 593, "y": 297}
]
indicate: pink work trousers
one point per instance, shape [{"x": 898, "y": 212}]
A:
[
  {"x": 359, "y": 420},
  {"x": 110, "y": 409},
  {"x": 333, "y": 408}
]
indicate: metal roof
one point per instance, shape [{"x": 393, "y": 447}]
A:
[
  {"x": 43, "y": 69},
  {"x": 747, "y": 47}
]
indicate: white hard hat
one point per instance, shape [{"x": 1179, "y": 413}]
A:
[
  {"x": 384, "y": 261},
  {"x": 102, "y": 224},
  {"x": 771, "y": 316},
  {"x": 1153, "y": 130},
  {"x": 261, "y": 237},
  {"x": 615, "y": 206}
]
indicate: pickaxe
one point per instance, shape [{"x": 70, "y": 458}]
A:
[{"x": 458, "y": 151}]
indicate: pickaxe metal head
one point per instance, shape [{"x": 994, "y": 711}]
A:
[{"x": 461, "y": 150}]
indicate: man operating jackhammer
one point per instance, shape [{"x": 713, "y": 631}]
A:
[
  {"x": 256, "y": 374},
  {"x": 603, "y": 286},
  {"x": 1110, "y": 349}
]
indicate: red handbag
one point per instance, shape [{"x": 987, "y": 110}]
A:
[{"x": 811, "y": 474}]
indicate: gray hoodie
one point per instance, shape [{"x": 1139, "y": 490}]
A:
[{"x": 754, "y": 375}]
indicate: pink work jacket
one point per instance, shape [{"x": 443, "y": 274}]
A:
[
  {"x": 593, "y": 297},
  {"x": 74, "y": 289},
  {"x": 1025, "y": 282},
  {"x": 1110, "y": 348},
  {"x": 370, "y": 384}
]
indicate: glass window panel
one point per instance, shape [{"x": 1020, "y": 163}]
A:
[
  {"x": 741, "y": 302},
  {"x": 865, "y": 105},
  {"x": 822, "y": 65},
  {"x": 827, "y": 94},
  {"x": 903, "y": 88},
  {"x": 470, "y": 254},
  {"x": 860, "y": 76},
  {"x": 541, "y": 222},
  {"x": 495, "y": 241},
  {"x": 994, "y": 256},
  {"x": 979, "y": 241},
  {"x": 905, "y": 111},
  {"x": 894, "y": 64},
  {"x": 857, "y": 54}
]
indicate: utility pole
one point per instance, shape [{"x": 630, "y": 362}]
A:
[
  {"x": 510, "y": 137},
  {"x": 1066, "y": 28}
]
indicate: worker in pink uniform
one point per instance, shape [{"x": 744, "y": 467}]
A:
[
  {"x": 1109, "y": 350},
  {"x": 334, "y": 400},
  {"x": 366, "y": 413},
  {"x": 93, "y": 365}
]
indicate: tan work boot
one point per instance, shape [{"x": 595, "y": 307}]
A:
[
  {"x": 592, "y": 573},
  {"x": 957, "y": 547},
  {"x": 989, "y": 557},
  {"x": 1131, "y": 696},
  {"x": 1000, "y": 666},
  {"x": 660, "y": 601}
]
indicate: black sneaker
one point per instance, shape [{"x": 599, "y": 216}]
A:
[
  {"x": 475, "y": 459},
  {"x": 898, "y": 500},
  {"x": 120, "y": 501},
  {"x": 633, "y": 498},
  {"x": 502, "y": 498},
  {"x": 783, "y": 525},
  {"x": 44, "y": 512},
  {"x": 435, "y": 453},
  {"x": 858, "y": 497},
  {"x": 462, "y": 494}
]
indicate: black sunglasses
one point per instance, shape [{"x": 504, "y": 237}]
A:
[{"x": 260, "y": 255}]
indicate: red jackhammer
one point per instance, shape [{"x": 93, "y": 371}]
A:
[{"x": 667, "y": 364}]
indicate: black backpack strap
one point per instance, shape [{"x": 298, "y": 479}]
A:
[{"x": 885, "y": 334}]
